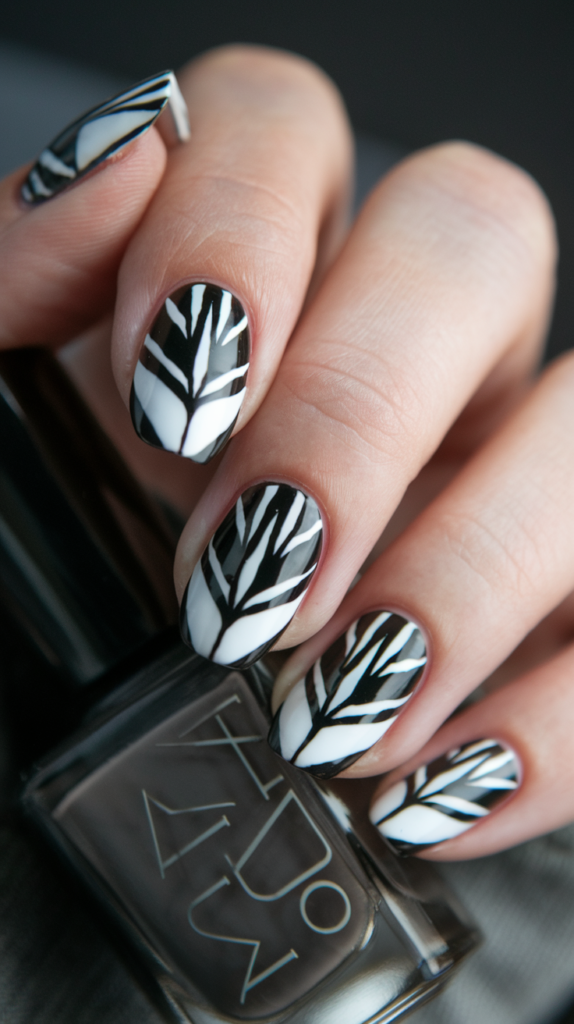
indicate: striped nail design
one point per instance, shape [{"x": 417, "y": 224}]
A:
[
  {"x": 253, "y": 575},
  {"x": 190, "y": 379},
  {"x": 102, "y": 132},
  {"x": 446, "y": 797},
  {"x": 351, "y": 695}
]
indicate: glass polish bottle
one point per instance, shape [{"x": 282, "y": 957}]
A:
[{"x": 253, "y": 892}]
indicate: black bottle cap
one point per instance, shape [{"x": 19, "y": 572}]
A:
[{"x": 86, "y": 556}]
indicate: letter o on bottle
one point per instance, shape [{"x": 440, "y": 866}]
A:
[{"x": 323, "y": 884}]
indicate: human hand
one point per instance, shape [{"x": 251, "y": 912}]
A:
[{"x": 412, "y": 345}]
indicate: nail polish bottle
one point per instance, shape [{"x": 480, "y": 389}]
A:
[{"x": 253, "y": 892}]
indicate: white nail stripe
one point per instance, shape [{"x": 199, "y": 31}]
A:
[
  {"x": 210, "y": 421},
  {"x": 372, "y": 708},
  {"x": 290, "y": 519},
  {"x": 224, "y": 311},
  {"x": 218, "y": 571},
  {"x": 202, "y": 357},
  {"x": 493, "y": 764},
  {"x": 349, "y": 682},
  {"x": 159, "y": 354},
  {"x": 240, "y": 518},
  {"x": 448, "y": 776},
  {"x": 469, "y": 751},
  {"x": 421, "y": 824},
  {"x": 420, "y": 777},
  {"x": 494, "y": 783},
  {"x": 396, "y": 644},
  {"x": 319, "y": 683},
  {"x": 95, "y": 137},
  {"x": 402, "y": 666},
  {"x": 370, "y": 632},
  {"x": 175, "y": 316},
  {"x": 295, "y": 720},
  {"x": 279, "y": 588},
  {"x": 301, "y": 538},
  {"x": 250, "y": 632},
  {"x": 167, "y": 415},
  {"x": 197, "y": 292},
  {"x": 338, "y": 741},
  {"x": 223, "y": 379},
  {"x": 269, "y": 494},
  {"x": 38, "y": 184},
  {"x": 52, "y": 163},
  {"x": 252, "y": 564},
  {"x": 203, "y": 616},
  {"x": 457, "y": 803},
  {"x": 234, "y": 332}
]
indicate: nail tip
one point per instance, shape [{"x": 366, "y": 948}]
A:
[{"x": 88, "y": 142}]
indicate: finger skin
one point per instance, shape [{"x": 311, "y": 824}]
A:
[
  {"x": 534, "y": 717},
  {"x": 478, "y": 569},
  {"x": 449, "y": 263},
  {"x": 263, "y": 185},
  {"x": 59, "y": 262}
]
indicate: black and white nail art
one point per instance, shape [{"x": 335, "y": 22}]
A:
[
  {"x": 102, "y": 132},
  {"x": 446, "y": 797},
  {"x": 190, "y": 379},
  {"x": 253, "y": 575},
  {"x": 351, "y": 695}
]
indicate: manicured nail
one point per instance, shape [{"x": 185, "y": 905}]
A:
[
  {"x": 253, "y": 575},
  {"x": 351, "y": 695},
  {"x": 446, "y": 797},
  {"x": 189, "y": 382},
  {"x": 103, "y": 131}
]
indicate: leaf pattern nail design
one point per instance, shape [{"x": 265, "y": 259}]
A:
[
  {"x": 446, "y": 797},
  {"x": 253, "y": 575},
  {"x": 103, "y": 131},
  {"x": 190, "y": 379},
  {"x": 351, "y": 695}
]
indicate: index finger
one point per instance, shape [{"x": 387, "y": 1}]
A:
[{"x": 215, "y": 278}]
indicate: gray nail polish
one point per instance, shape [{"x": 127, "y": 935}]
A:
[
  {"x": 253, "y": 575},
  {"x": 189, "y": 382},
  {"x": 445, "y": 798},
  {"x": 351, "y": 695}
]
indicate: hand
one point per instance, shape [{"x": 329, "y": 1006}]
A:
[{"x": 390, "y": 370}]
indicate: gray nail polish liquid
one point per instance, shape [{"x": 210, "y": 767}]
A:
[{"x": 252, "y": 892}]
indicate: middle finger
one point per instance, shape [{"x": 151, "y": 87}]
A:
[{"x": 448, "y": 268}]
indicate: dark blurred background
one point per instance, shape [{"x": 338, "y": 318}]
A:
[{"x": 411, "y": 71}]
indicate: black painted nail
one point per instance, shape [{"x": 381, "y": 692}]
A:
[
  {"x": 351, "y": 695},
  {"x": 189, "y": 382},
  {"x": 445, "y": 798},
  {"x": 253, "y": 575},
  {"x": 103, "y": 131}
]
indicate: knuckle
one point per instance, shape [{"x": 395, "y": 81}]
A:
[
  {"x": 506, "y": 556},
  {"x": 348, "y": 405},
  {"x": 492, "y": 199}
]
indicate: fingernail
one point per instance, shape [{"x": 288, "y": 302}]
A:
[
  {"x": 446, "y": 797},
  {"x": 189, "y": 382},
  {"x": 102, "y": 132},
  {"x": 253, "y": 575},
  {"x": 351, "y": 695}
]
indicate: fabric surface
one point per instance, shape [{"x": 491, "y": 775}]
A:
[{"x": 58, "y": 964}]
